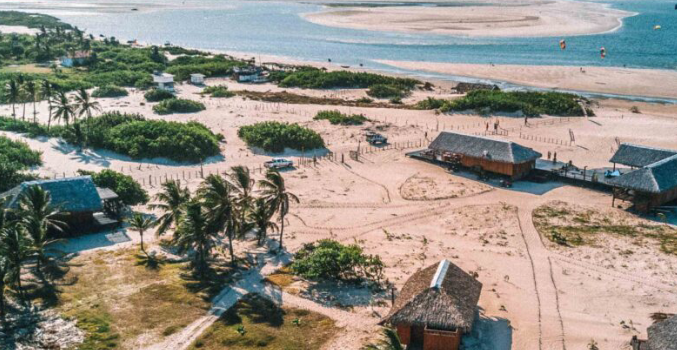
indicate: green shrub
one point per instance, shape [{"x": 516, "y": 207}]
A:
[
  {"x": 217, "y": 91},
  {"x": 17, "y": 152},
  {"x": 338, "y": 118},
  {"x": 386, "y": 91},
  {"x": 364, "y": 100},
  {"x": 275, "y": 136},
  {"x": 23, "y": 127},
  {"x": 128, "y": 190},
  {"x": 329, "y": 259},
  {"x": 192, "y": 142},
  {"x": 430, "y": 103},
  {"x": 109, "y": 91},
  {"x": 313, "y": 78},
  {"x": 157, "y": 95},
  {"x": 176, "y": 105},
  {"x": 529, "y": 103}
]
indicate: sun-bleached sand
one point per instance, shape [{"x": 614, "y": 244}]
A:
[
  {"x": 480, "y": 18},
  {"x": 606, "y": 80},
  {"x": 413, "y": 213}
]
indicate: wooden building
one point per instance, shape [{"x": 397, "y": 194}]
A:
[
  {"x": 435, "y": 308},
  {"x": 648, "y": 187},
  {"x": 77, "y": 198},
  {"x": 485, "y": 154},
  {"x": 661, "y": 335}
]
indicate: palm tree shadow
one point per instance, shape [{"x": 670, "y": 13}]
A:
[{"x": 151, "y": 261}]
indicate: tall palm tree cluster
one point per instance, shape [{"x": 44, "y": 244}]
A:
[
  {"x": 225, "y": 207},
  {"x": 62, "y": 107},
  {"x": 25, "y": 238}
]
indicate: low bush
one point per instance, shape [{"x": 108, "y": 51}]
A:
[
  {"x": 329, "y": 259},
  {"x": 157, "y": 95},
  {"x": 275, "y": 136},
  {"x": 529, "y": 103},
  {"x": 217, "y": 91},
  {"x": 109, "y": 91},
  {"x": 313, "y": 78},
  {"x": 15, "y": 158},
  {"x": 430, "y": 103},
  {"x": 128, "y": 190},
  {"x": 386, "y": 91},
  {"x": 176, "y": 105},
  {"x": 18, "y": 152},
  {"x": 23, "y": 127},
  {"x": 338, "y": 118}
]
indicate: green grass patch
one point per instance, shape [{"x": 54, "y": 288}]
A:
[
  {"x": 31, "y": 20},
  {"x": 392, "y": 92},
  {"x": 218, "y": 91},
  {"x": 257, "y": 323},
  {"x": 117, "y": 300},
  {"x": 571, "y": 226},
  {"x": 177, "y": 105},
  {"x": 275, "y": 136},
  {"x": 529, "y": 103},
  {"x": 338, "y": 118}
]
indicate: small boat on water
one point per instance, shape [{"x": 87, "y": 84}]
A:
[{"x": 346, "y": 67}]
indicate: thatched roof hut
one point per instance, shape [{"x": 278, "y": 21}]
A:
[
  {"x": 484, "y": 147},
  {"x": 73, "y": 195},
  {"x": 656, "y": 178},
  {"x": 638, "y": 156},
  {"x": 663, "y": 335},
  {"x": 441, "y": 296}
]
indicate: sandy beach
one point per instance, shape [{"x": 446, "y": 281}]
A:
[
  {"x": 606, "y": 80},
  {"x": 509, "y": 19}
]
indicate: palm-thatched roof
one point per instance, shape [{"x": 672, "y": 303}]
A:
[
  {"x": 640, "y": 156},
  {"x": 663, "y": 335},
  {"x": 73, "y": 195},
  {"x": 484, "y": 147},
  {"x": 441, "y": 296},
  {"x": 654, "y": 178}
]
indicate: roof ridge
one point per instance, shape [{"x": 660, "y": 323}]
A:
[
  {"x": 649, "y": 147},
  {"x": 440, "y": 274}
]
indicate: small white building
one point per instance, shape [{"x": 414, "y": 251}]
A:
[
  {"x": 164, "y": 81},
  {"x": 197, "y": 79},
  {"x": 75, "y": 59}
]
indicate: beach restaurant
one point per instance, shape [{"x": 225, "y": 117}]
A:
[
  {"x": 435, "y": 308},
  {"x": 484, "y": 154},
  {"x": 652, "y": 180}
]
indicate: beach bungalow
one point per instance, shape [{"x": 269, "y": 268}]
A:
[
  {"x": 84, "y": 205},
  {"x": 484, "y": 154},
  {"x": 164, "y": 81},
  {"x": 648, "y": 187},
  {"x": 197, "y": 79},
  {"x": 250, "y": 74},
  {"x": 435, "y": 308},
  {"x": 76, "y": 58},
  {"x": 638, "y": 156},
  {"x": 661, "y": 336}
]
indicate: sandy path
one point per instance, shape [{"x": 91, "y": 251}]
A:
[{"x": 609, "y": 80}]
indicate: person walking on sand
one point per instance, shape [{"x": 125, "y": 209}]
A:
[
  {"x": 526, "y": 120},
  {"x": 554, "y": 158},
  {"x": 549, "y": 154},
  {"x": 487, "y": 129}
]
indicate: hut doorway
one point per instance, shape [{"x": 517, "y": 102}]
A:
[{"x": 417, "y": 334}]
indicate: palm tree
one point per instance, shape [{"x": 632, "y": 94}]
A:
[
  {"x": 48, "y": 93},
  {"x": 390, "y": 341},
  {"x": 64, "y": 109},
  {"x": 261, "y": 216},
  {"x": 217, "y": 194},
  {"x": 16, "y": 246},
  {"x": 5, "y": 269},
  {"x": 243, "y": 185},
  {"x": 171, "y": 201},
  {"x": 12, "y": 94},
  {"x": 85, "y": 105},
  {"x": 38, "y": 217},
  {"x": 141, "y": 224},
  {"x": 277, "y": 196},
  {"x": 193, "y": 233},
  {"x": 31, "y": 91}
]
